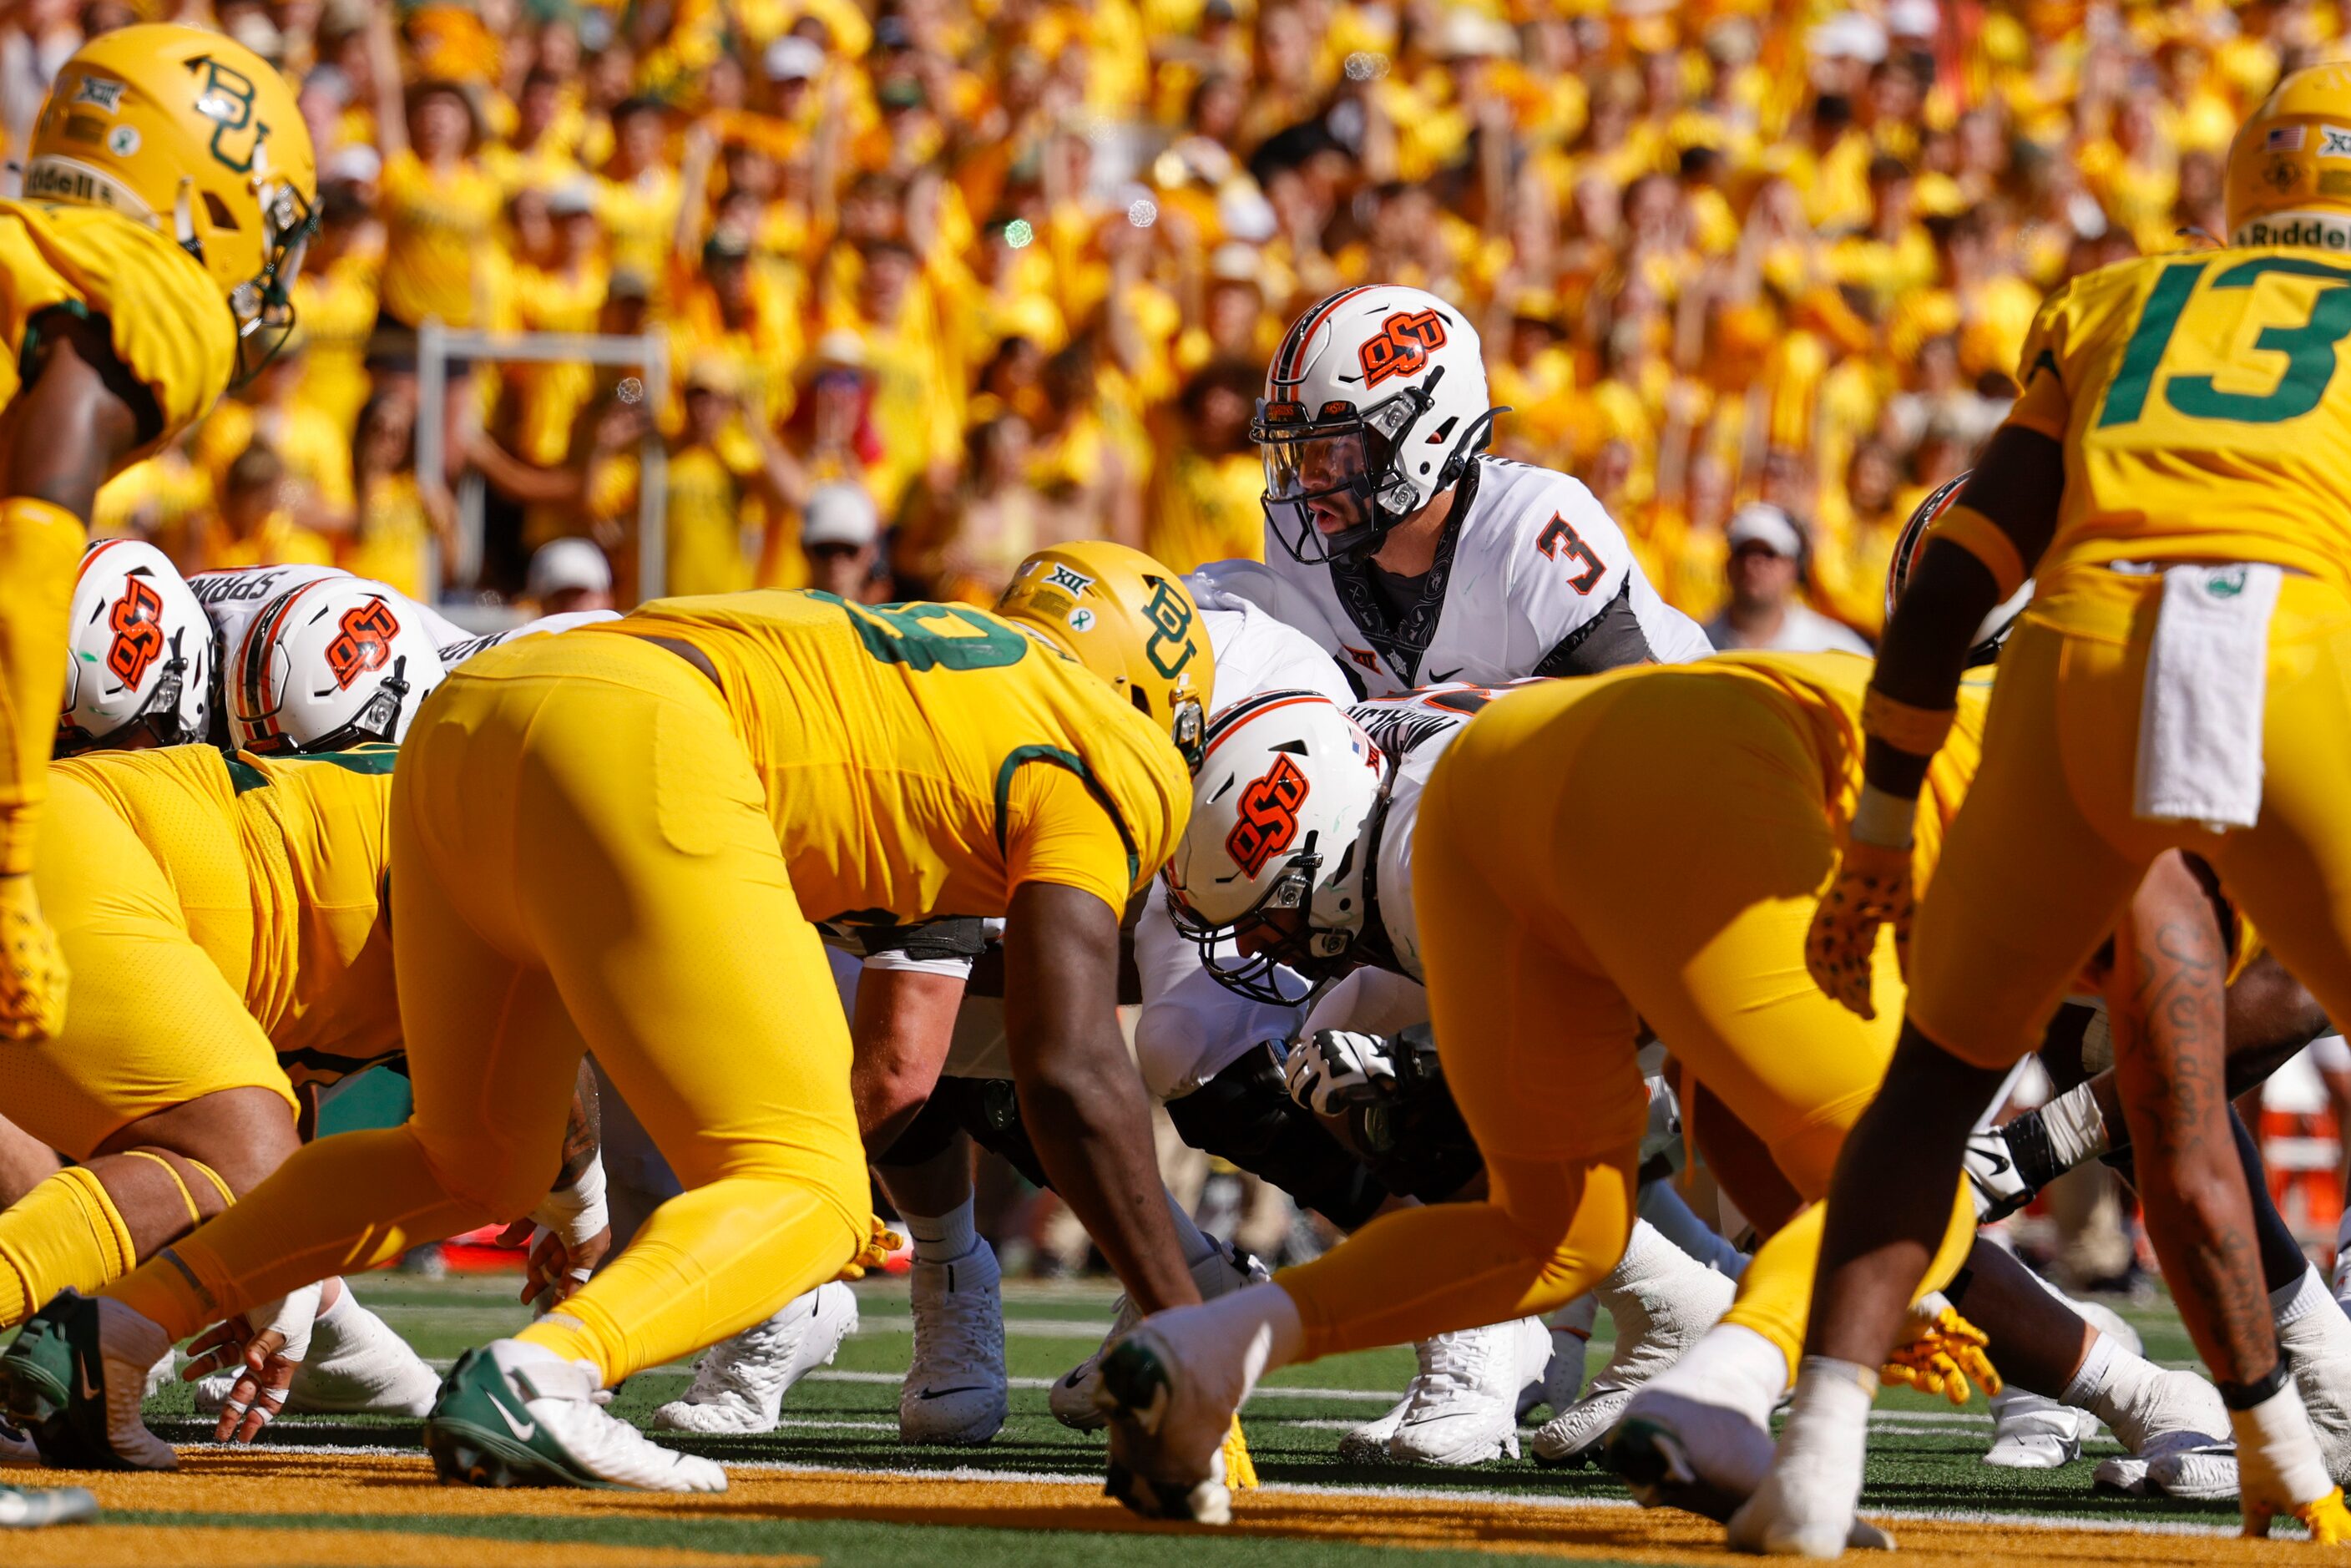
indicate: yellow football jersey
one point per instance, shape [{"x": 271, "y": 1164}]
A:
[
  {"x": 2199, "y": 401},
  {"x": 925, "y": 759},
  {"x": 170, "y": 326},
  {"x": 278, "y": 865}
]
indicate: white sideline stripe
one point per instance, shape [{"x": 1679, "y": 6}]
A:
[{"x": 2103, "y": 1526}]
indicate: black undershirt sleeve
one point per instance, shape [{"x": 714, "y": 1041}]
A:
[{"x": 1609, "y": 641}]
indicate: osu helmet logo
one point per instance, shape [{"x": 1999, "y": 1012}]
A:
[
  {"x": 1403, "y": 345},
  {"x": 136, "y": 622},
  {"x": 1268, "y": 816},
  {"x": 362, "y": 641}
]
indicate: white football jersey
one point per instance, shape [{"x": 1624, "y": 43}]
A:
[
  {"x": 1258, "y": 651},
  {"x": 455, "y": 653},
  {"x": 1413, "y": 729},
  {"x": 234, "y": 597},
  {"x": 1533, "y": 567}
]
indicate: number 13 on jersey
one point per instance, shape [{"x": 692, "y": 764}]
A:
[{"x": 2257, "y": 345}]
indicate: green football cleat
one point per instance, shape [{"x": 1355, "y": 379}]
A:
[
  {"x": 30, "y": 1508},
  {"x": 513, "y": 1415},
  {"x": 76, "y": 1376}
]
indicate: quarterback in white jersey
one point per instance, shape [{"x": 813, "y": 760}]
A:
[
  {"x": 1412, "y": 559},
  {"x": 234, "y": 596}
]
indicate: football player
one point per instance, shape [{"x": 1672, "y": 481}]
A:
[
  {"x": 1412, "y": 559},
  {"x": 656, "y": 808},
  {"x": 2170, "y": 475},
  {"x": 169, "y": 188}
]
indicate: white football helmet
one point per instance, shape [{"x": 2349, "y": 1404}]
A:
[
  {"x": 1277, "y": 848},
  {"x": 1912, "y": 543},
  {"x": 328, "y": 665},
  {"x": 1375, "y": 403},
  {"x": 139, "y": 655}
]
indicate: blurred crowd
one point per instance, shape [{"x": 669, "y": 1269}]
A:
[{"x": 941, "y": 281}]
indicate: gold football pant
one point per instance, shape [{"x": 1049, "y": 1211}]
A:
[
  {"x": 1590, "y": 854},
  {"x": 155, "y": 1023},
  {"x": 581, "y": 860},
  {"x": 2044, "y": 855},
  {"x": 41, "y": 546}
]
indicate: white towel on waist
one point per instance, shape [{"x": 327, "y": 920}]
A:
[{"x": 2200, "y": 722}]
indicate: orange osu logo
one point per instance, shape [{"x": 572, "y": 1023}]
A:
[
  {"x": 1403, "y": 345},
  {"x": 363, "y": 643},
  {"x": 137, "y": 620},
  {"x": 1268, "y": 816}
]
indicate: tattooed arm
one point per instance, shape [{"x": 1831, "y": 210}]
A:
[
  {"x": 2166, "y": 1001},
  {"x": 582, "y": 1129}
]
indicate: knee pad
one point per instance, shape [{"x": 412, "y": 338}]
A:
[
  {"x": 990, "y": 1110},
  {"x": 1244, "y": 1114},
  {"x": 929, "y": 1134}
]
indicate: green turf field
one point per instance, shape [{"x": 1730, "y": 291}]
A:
[{"x": 843, "y": 1419}]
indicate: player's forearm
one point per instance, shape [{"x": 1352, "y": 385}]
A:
[
  {"x": 1919, "y": 665},
  {"x": 2167, "y": 1001},
  {"x": 582, "y": 1128},
  {"x": 1092, "y": 1133}
]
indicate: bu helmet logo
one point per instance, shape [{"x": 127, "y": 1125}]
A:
[
  {"x": 137, "y": 620},
  {"x": 364, "y": 643},
  {"x": 1171, "y": 624},
  {"x": 1403, "y": 345},
  {"x": 1268, "y": 816}
]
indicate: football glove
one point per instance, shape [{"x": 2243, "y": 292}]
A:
[
  {"x": 1872, "y": 886},
  {"x": 1335, "y": 1069},
  {"x": 879, "y": 1246},
  {"x": 2280, "y": 1471},
  {"x": 32, "y": 970},
  {"x": 1939, "y": 1351},
  {"x": 1999, "y": 1185}
]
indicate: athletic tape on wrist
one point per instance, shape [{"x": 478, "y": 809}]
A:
[
  {"x": 1916, "y": 730},
  {"x": 1884, "y": 819}
]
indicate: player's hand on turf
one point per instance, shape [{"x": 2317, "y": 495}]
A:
[
  {"x": 554, "y": 1268},
  {"x": 265, "y": 1372},
  {"x": 1872, "y": 887},
  {"x": 1335, "y": 1069},
  {"x": 1941, "y": 1352}
]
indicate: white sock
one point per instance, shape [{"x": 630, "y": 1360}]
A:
[
  {"x": 1671, "y": 1221},
  {"x": 2077, "y": 1128},
  {"x": 1264, "y": 1323},
  {"x": 2088, "y": 1385},
  {"x": 1828, "y": 1432},
  {"x": 1196, "y": 1244},
  {"x": 2129, "y": 1392},
  {"x": 942, "y": 1238},
  {"x": 2291, "y": 1304},
  {"x": 1732, "y": 1366}
]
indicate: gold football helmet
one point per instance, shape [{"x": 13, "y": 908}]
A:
[
  {"x": 2289, "y": 178},
  {"x": 181, "y": 126},
  {"x": 1130, "y": 621}
]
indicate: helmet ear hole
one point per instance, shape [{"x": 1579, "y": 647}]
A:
[
  {"x": 1141, "y": 699},
  {"x": 217, "y": 211}
]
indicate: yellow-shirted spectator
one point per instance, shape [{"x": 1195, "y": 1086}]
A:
[
  {"x": 336, "y": 302},
  {"x": 251, "y": 526},
  {"x": 637, "y": 192},
  {"x": 1205, "y": 496},
  {"x": 740, "y": 311},
  {"x": 437, "y": 203},
  {"x": 310, "y": 445},
  {"x": 719, "y": 463},
  {"x": 394, "y": 527},
  {"x": 918, "y": 392}
]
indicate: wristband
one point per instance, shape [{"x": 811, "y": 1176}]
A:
[
  {"x": 2245, "y": 1395},
  {"x": 1987, "y": 542},
  {"x": 1882, "y": 818},
  {"x": 1916, "y": 730}
]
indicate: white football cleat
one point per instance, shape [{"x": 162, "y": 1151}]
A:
[
  {"x": 1462, "y": 1407},
  {"x": 956, "y": 1391},
  {"x": 740, "y": 1383},
  {"x": 1368, "y": 1444},
  {"x": 1074, "y": 1398},
  {"x": 2181, "y": 1464},
  {"x": 165, "y": 1372},
  {"x": 2033, "y": 1432},
  {"x": 513, "y": 1414},
  {"x": 1662, "y": 1301}
]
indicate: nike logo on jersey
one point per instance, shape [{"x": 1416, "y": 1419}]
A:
[
  {"x": 945, "y": 1393},
  {"x": 1437, "y": 678}
]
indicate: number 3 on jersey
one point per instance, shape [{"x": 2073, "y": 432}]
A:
[
  {"x": 2310, "y": 347},
  {"x": 1560, "y": 540}
]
